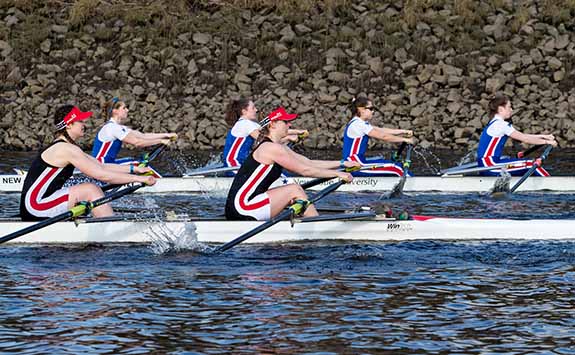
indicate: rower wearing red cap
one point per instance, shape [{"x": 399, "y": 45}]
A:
[
  {"x": 44, "y": 195},
  {"x": 241, "y": 115},
  {"x": 250, "y": 197},
  {"x": 108, "y": 141}
]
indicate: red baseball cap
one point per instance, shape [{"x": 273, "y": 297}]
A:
[
  {"x": 280, "y": 114},
  {"x": 74, "y": 115}
]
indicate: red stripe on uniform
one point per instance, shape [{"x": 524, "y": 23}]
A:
[
  {"x": 103, "y": 151},
  {"x": 355, "y": 146},
  {"x": 245, "y": 191},
  {"x": 233, "y": 155},
  {"x": 492, "y": 145},
  {"x": 45, "y": 205}
]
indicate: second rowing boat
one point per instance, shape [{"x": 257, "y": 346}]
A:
[{"x": 13, "y": 183}]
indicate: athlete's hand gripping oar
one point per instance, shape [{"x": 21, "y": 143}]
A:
[
  {"x": 295, "y": 209},
  {"x": 315, "y": 182},
  {"x": 397, "y": 190},
  {"x": 146, "y": 159},
  {"x": 318, "y": 181},
  {"x": 536, "y": 163},
  {"x": 76, "y": 211}
]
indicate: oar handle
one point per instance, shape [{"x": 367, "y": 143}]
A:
[
  {"x": 319, "y": 181},
  {"x": 525, "y": 153},
  {"x": 145, "y": 161},
  {"x": 536, "y": 164}
]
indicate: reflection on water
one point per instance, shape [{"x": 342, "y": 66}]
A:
[{"x": 400, "y": 298}]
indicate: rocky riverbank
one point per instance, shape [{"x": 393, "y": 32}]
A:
[{"x": 430, "y": 66}]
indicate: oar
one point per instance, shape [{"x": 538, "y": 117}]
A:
[
  {"x": 295, "y": 209},
  {"x": 396, "y": 155},
  {"x": 397, "y": 190},
  {"x": 456, "y": 169},
  {"x": 525, "y": 153},
  {"x": 75, "y": 211},
  {"x": 222, "y": 169},
  {"x": 536, "y": 164},
  {"x": 315, "y": 182},
  {"x": 146, "y": 159},
  {"x": 482, "y": 168}
]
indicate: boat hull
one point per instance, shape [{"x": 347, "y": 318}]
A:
[
  {"x": 218, "y": 231},
  {"x": 13, "y": 183}
]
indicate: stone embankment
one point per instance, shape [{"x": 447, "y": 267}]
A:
[{"x": 431, "y": 68}]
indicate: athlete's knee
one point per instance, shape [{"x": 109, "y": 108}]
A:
[
  {"x": 89, "y": 191},
  {"x": 298, "y": 192}
]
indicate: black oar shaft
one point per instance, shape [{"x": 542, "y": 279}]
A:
[
  {"x": 532, "y": 169},
  {"x": 35, "y": 227},
  {"x": 280, "y": 217},
  {"x": 395, "y": 156},
  {"x": 525, "y": 153},
  {"x": 76, "y": 211},
  {"x": 148, "y": 157}
]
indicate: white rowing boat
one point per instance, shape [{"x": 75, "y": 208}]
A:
[
  {"x": 13, "y": 183},
  {"x": 368, "y": 229}
]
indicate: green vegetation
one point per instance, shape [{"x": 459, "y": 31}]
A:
[{"x": 456, "y": 24}]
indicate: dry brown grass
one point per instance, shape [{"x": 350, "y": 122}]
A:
[
  {"x": 520, "y": 19},
  {"x": 284, "y": 6},
  {"x": 558, "y": 11},
  {"x": 81, "y": 11}
]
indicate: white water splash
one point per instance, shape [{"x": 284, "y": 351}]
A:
[
  {"x": 424, "y": 154},
  {"x": 502, "y": 183},
  {"x": 173, "y": 238},
  {"x": 471, "y": 156}
]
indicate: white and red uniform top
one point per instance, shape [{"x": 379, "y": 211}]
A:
[
  {"x": 239, "y": 142},
  {"x": 108, "y": 142},
  {"x": 355, "y": 140},
  {"x": 492, "y": 141}
]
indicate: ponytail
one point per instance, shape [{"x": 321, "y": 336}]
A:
[
  {"x": 234, "y": 110},
  {"x": 109, "y": 106},
  {"x": 498, "y": 101},
  {"x": 264, "y": 133}
]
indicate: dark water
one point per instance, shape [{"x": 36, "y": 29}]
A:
[
  {"x": 395, "y": 298},
  {"x": 423, "y": 297}
]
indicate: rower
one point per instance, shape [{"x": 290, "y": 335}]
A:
[
  {"x": 250, "y": 198},
  {"x": 495, "y": 135},
  {"x": 241, "y": 115},
  {"x": 44, "y": 195},
  {"x": 356, "y": 137},
  {"x": 108, "y": 141}
]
